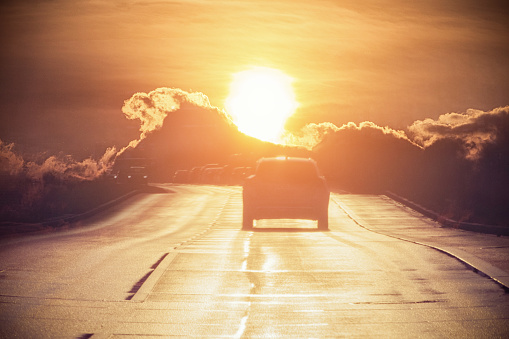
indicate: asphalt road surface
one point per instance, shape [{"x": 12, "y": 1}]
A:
[{"x": 175, "y": 262}]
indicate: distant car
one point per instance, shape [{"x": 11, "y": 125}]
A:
[
  {"x": 194, "y": 174},
  {"x": 181, "y": 176},
  {"x": 211, "y": 175},
  {"x": 204, "y": 175},
  {"x": 284, "y": 188},
  {"x": 134, "y": 175},
  {"x": 239, "y": 174}
]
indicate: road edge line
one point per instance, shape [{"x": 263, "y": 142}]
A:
[
  {"x": 147, "y": 286},
  {"x": 478, "y": 265}
]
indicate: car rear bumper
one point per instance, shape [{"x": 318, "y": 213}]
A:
[{"x": 286, "y": 213}]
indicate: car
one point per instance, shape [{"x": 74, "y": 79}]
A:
[
  {"x": 211, "y": 175},
  {"x": 285, "y": 188},
  {"x": 181, "y": 176},
  {"x": 133, "y": 175},
  {"x": 239, "y": 174}
]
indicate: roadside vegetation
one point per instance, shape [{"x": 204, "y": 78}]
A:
[{"x": 27, "y": 200}]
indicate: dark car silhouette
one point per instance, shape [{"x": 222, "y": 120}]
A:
[
  {"x": 286, "y": 188},
  {"x": 134, "y": 175}
]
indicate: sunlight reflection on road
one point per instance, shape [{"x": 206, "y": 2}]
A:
[
  {"x": 243, "y": 321},
  {"x": 285, "y": 224}
]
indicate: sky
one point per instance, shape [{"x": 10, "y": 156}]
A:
[{"x": 66, "y": 67}]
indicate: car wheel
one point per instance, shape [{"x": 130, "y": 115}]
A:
[
  {"x": 247, "y": 220},
  {"x": 323, "y": 221}
]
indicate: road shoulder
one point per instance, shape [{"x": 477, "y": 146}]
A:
[{"x": 484, "y": 253}]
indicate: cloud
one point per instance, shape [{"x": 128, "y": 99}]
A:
[
  {"x": 313, "y": 134},
  {"x": 152, "y": 108},
  {"x": 61, "y": 167},
  {"x": 10, "y": 162},
  {"x": 474, "y": 129}
]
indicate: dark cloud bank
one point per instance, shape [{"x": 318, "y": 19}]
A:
[{"x": 457, "y": 165}]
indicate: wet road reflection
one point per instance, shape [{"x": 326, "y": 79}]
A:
[
  {"x": 287, "y": 279},
  {"x": 284, "y": 278}
]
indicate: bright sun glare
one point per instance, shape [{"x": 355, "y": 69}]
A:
[{"x": 260, "y": 101}]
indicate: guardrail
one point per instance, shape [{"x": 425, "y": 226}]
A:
[
  {"x": 10, "y": 229},
  {"x": 446, "y": 222}
]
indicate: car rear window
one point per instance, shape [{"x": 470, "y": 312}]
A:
[{"x": 284, "y": 171}]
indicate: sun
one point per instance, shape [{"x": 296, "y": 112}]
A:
[{"x": 260, "y": 101}]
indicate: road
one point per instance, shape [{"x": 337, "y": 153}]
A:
[{"x": 175, "y": 262}]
